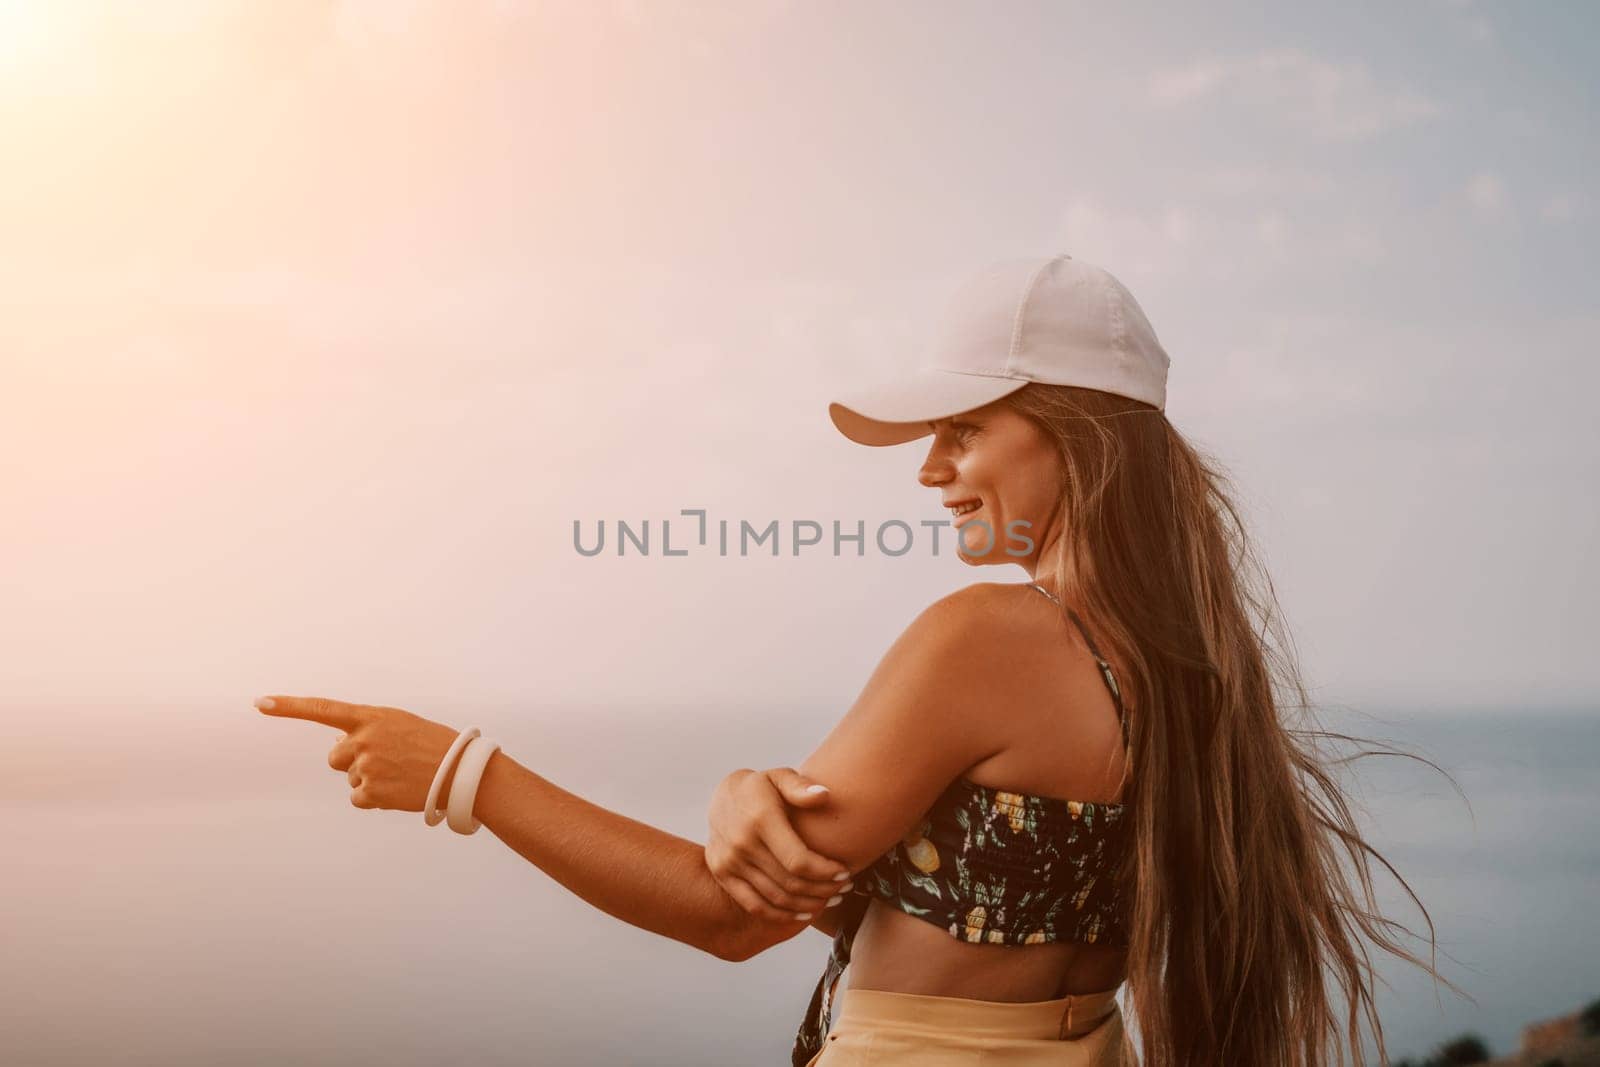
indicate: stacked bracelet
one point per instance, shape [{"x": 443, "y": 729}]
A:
[
  {"x": 431, "y": 813},
  {"x": 461, "y": 786},
  {"x": 464, "y": 789}
]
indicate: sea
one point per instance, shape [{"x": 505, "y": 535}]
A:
[{"x": 190, "y": 885}]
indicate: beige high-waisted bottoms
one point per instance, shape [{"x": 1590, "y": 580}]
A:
[{"x": 875, "y": 1028}]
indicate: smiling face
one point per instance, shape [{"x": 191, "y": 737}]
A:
[{"x": 1002, "y": 473}]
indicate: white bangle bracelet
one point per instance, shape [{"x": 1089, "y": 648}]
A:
[
  {"x": 464, "y": 789},
  {"x": 430, "y": 812}
]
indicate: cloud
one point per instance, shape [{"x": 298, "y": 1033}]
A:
[
  {"x": 1563, "y": 207},
  {"x": 1147, "y": 243},
  {"x": 1272, "y": 229},
  {"x": 1182, "y": 85},
  {"x": 1331, "y": 101},
  {"x": 1254, "y": 182},
  {"x": 1485, "y": 194}
]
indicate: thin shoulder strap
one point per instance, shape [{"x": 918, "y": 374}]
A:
[{"x": 1105, "y": 668}]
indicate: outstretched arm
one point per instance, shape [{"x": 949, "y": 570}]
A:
[
  {"x": 910, "y": 733},
  {"x": 637, "y": 873},
  {"x": 644, "y": 876}
]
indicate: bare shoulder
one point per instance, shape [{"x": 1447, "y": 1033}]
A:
[
  {"x": 983, "y": 654},
  {"x": 950, "y": 645},
  {"x": 1046, "y": 705},
  {"x": 992, "y": 610},
  {"x": 927, "y": 713},
  {"x": 997, "y": 628}
]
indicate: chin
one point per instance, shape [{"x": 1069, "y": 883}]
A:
[{"x": 996, "y": 555}]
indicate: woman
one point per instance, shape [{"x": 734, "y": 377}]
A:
[
  {"x": 1045, "y": 789},
  {"x": 1221, "y": 834}
]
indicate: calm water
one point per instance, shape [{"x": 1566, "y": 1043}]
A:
[{"x": 191, "y": 885}]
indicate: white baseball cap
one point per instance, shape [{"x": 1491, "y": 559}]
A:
[{"x": 1059, "y": 321}]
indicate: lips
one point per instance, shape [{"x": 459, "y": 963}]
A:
[{"x": 963, "y": 510}]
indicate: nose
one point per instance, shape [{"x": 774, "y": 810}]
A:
[{"x": 936, "y": 468}]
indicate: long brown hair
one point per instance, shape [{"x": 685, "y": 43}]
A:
[{"x": 1244, "y": 921}]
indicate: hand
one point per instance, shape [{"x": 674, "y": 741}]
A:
[
  {"x": 390, "y": 756},
  {"x": 756, "y": 856}
]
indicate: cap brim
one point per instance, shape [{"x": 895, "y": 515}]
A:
[{"x": 892, "y": 413}]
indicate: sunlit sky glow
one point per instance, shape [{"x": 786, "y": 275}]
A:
[{"x": 321, "y": 322}]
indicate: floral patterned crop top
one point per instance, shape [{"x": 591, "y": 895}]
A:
[{"x": 993, "y": 866}]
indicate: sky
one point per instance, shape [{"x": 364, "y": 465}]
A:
[{"x": 323, "y": 323}]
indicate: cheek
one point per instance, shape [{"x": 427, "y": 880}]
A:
[{"x": 1031, "y": 501}]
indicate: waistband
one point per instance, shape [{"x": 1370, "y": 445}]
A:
[{"x": 1057, "y": 1019}]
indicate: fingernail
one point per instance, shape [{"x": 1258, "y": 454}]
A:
[
  {"x": 265, "y": 703},
  {"x": 848, "y": 887},
  {"x": 832, "y": 901},
  {"x": 841, "y": 876},
  {"x": 816, "y": 789},
  {"x": 803, "y": 916}
]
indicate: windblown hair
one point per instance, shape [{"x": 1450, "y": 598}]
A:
[{"x": 1248, "y": 888}]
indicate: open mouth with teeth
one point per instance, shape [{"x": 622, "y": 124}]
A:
[{"x": 964, "y": 507}]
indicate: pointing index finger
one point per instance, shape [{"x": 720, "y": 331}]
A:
[{"x": 335, "y": 713}]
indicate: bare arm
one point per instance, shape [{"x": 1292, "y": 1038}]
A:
[
  {"x": 644, "y": 876},
  {"x": 910, "y": 733},
  {"x": 755, "y": 855}
]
